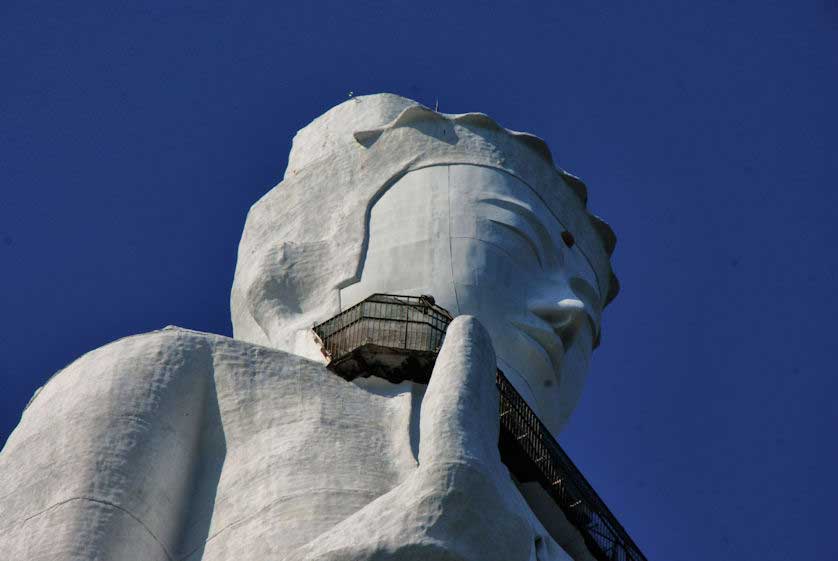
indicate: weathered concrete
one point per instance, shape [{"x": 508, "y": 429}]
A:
[
  {"x": 182, "y": 445},
  {"x": 179, "y": 445},
  {"x": 194, "y": 444}
]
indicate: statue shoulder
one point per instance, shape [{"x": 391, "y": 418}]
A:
[{"x": 168, "y": 357}]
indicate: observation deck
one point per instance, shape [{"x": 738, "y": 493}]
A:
[{"x": 399, "y": 337}]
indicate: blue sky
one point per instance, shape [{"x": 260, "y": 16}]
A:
[{"x": 134, "y": 137}]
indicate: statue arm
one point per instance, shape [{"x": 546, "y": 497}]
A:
[{"x": 101, "y": 462}]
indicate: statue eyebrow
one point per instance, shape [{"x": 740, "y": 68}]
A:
[
  {"x": 544, "y": 246},
  {"x": 524, "y": 236}
]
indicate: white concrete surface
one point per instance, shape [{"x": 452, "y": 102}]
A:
[
  {"x": 306, "y": 238},
  {"x": 179, "y": 445},
  {"x": 483, "y": 243}
]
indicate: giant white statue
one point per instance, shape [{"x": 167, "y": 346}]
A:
[{"x": 178, "y": 445}]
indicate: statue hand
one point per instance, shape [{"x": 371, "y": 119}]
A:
[{"x": 460, "y": 503}]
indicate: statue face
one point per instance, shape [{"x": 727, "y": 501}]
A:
[{"x": 483, "y": 243}]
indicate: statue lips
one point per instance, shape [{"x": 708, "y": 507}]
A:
[{"x": 542, "y": 334}]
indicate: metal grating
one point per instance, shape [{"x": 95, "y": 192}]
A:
[
  {"x": 398, "y": 338},
  {"x": 394, "y": 337}
]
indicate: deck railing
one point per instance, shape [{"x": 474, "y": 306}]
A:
[
  {"x": 395, "y": 337},
  {"x": 398, "y": 337},
  {"x": 528, "y": 448},
  {"x": 404, "y": 322}
]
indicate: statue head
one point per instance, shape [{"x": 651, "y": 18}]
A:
[{"x": 382, "y": 194}]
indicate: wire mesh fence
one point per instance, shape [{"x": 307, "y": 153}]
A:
[
  {"x": 416, "y": 325},
  {"x": 404, "y": 322}
]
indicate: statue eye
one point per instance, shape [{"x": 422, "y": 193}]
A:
[{"x": 568, "y": 238}]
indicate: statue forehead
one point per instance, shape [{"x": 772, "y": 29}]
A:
[
  {"x": 478, "y": 203},
  {"x": 371, "y": 141}
]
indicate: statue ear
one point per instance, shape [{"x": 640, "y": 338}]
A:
[
  {"x": 263, "y": 296},
  {"x": 294, "y": 285},
  {"x": 274, "y": 294}
]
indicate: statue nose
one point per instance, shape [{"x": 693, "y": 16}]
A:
[{"x": 565, "y": 316}]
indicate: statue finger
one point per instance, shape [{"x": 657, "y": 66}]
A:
[{"x": 459, "y": 416}]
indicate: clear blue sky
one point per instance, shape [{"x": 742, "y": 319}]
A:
[{"x": 134, "y": 138}]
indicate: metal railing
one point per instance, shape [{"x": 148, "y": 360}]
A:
[
  {"x": 396, "y": 337},
  {"x": 409, "y": 327},
  {"x": 550, "y": 465}
]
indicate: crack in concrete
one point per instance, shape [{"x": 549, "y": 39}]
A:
[{"x": 106, "y": 503}]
